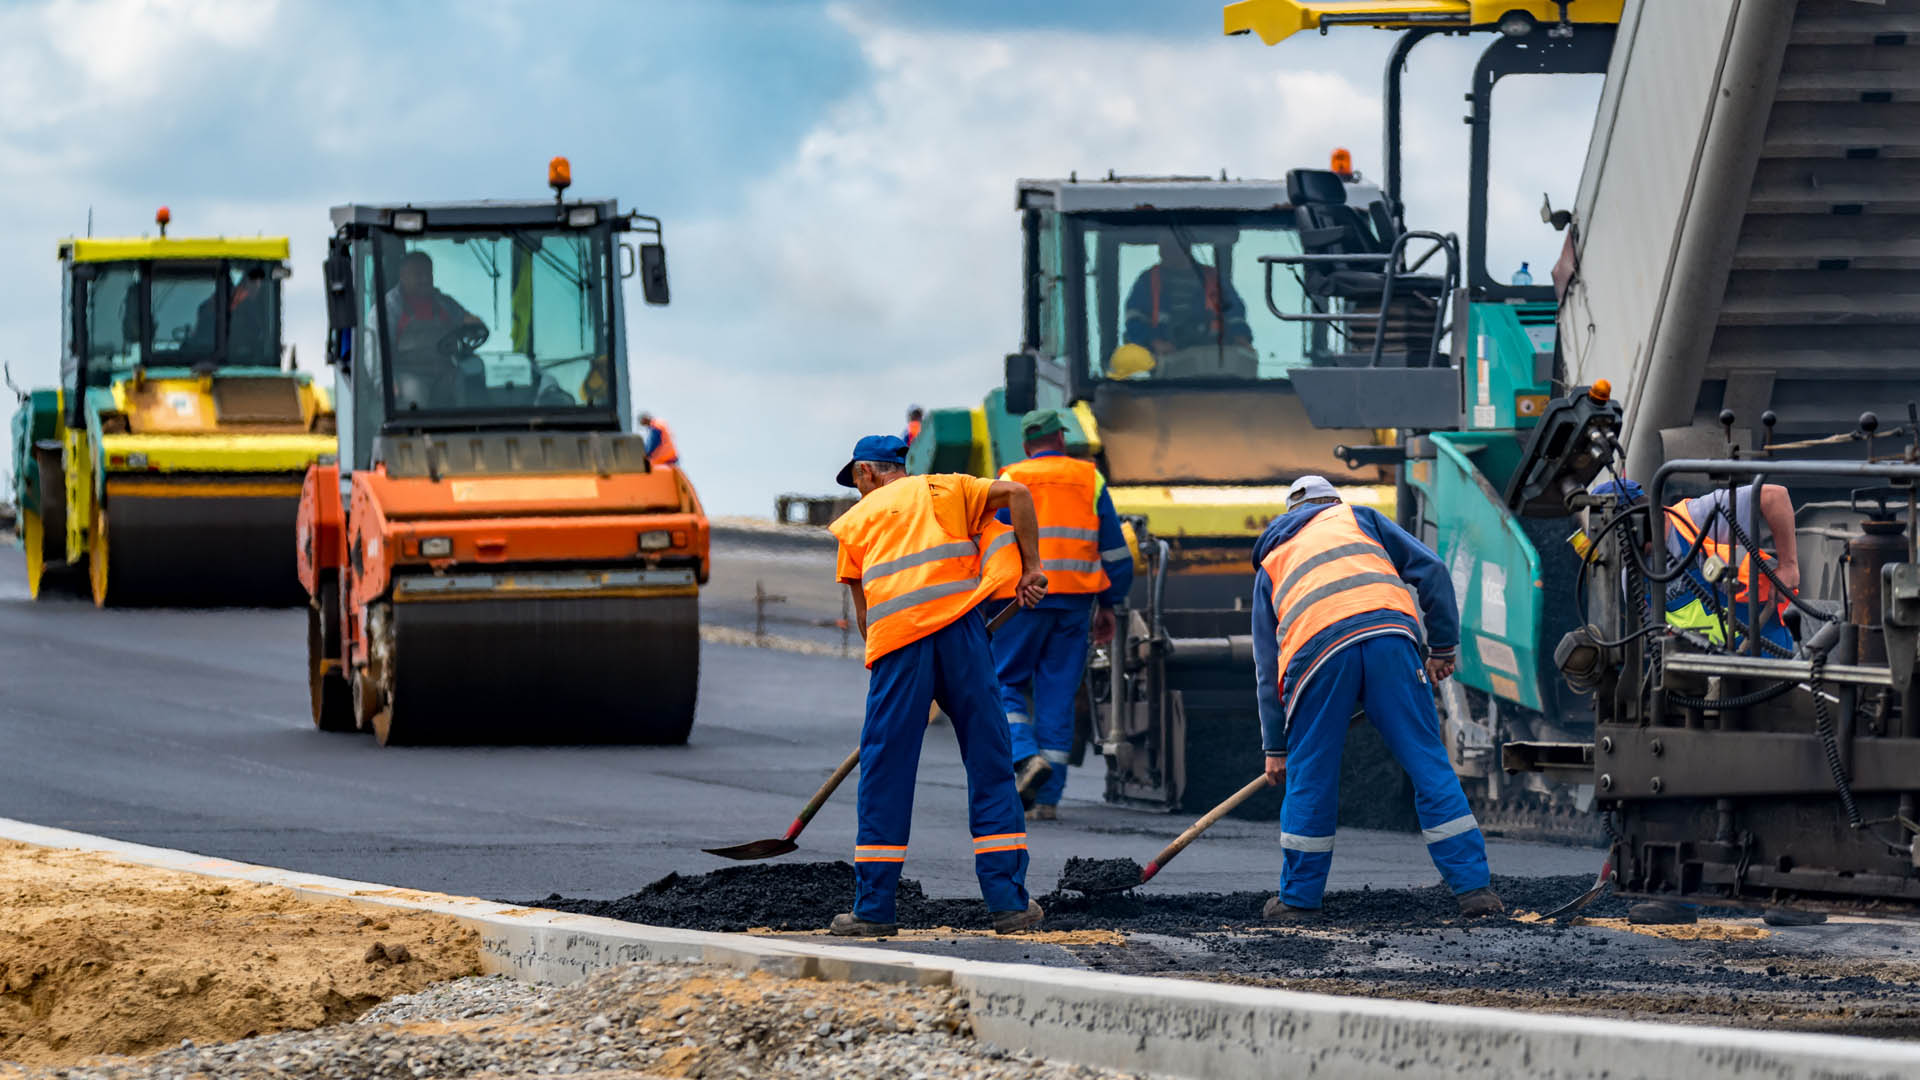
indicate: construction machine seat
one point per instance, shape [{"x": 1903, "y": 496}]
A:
[{"x": 1329, "y": 226}]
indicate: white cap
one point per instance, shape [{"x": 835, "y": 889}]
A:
[{"x": 1310, "y": 487}]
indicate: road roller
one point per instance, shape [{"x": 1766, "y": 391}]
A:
[
  {"x": 491, "y": 557},
  {"x": 166, "y": 466}
]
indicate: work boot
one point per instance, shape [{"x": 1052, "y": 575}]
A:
[
  {"x": 1046, "y": 812},
  {"x": 1661, "y": 913},
  {"x": 1279, "y": 911},
  {"x": 847, "y": 924},
  {"x": 1014, "y": 922},
  {"x": 1479, "y": 903},
  {"x": 1779, "y": 916},
  {"x": 1029, "y": 773}
]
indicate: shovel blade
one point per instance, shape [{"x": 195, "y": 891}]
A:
[{"x": 758, "y": 849}]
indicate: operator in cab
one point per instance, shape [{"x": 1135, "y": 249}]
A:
[
  {"x": 913, "y": 566},
  {"x": 1180, "y": 304},
  {"x": 420, "y": 317},
  {"x": 1042, "y": 653},
  {"x": 1335, "y": 629}
]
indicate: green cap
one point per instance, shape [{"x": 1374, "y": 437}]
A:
[{"x": 1041, "y": 422}]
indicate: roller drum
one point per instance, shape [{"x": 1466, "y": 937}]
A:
[
  {"x": 202, "y": 550},
  {"x": 619, "y": 669}
]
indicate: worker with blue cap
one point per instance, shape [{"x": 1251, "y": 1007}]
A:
[
  {"x": 1042, "y": 653},
  {"x": 1334, "y": 629},
  {"x": 911, "y": 556}
]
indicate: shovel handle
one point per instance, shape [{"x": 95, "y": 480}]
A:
[
  {"x": 1194, "y": 830},
  {"x": 1000, "y": 620},
  {"x": 820, "y": 797}
]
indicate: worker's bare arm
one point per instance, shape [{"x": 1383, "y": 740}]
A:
[
  {"x": 1013, "y": 497},
  {"x": 1776, "y": 508},
  {"x": 859, "y": 595}
]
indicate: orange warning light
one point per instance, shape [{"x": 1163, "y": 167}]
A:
[
  {"x": 559, "y": 174},
  {"x": 163, "y": 217},
  {"x": 1601, "y": 391},
  {"x": 1342, "y": 163}
]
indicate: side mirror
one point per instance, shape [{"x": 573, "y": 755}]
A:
[
  {"x": 339, "y": 281},
  {"x": 1023, "y": 383},
  {"x": 653, "y": 273}
]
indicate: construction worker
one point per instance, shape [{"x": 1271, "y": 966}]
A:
[
  {"x": 1685, "y": 610},
  {"x": 660, "y": 448},
  {"x": 1178, "y": 304},
  {"x": 915, "y": 416},
  {"x": 1333, "y": 630},
  {"x": 1686, "y": 607},
  {"x": 1089, "y": 570},
  {"x": 910, "y": 555}
]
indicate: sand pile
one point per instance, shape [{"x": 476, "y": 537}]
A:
[{"x": 99, "y": 957}]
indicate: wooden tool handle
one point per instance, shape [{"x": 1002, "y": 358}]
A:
[
  {"x": 1194, "y": 830},
  {"x": 826, "y": 791},
  {"x": 1000, "y": 620}
]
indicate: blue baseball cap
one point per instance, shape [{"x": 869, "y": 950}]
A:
[
  {"x": 891, "y": 449},
  {"x": 1625, "y": 489}
]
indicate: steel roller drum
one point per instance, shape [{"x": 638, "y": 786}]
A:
[
  {"x": 611, "y": 669},
  {"x": 202, "y": 550}
]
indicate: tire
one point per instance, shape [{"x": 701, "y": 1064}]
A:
[{"x": 332, "y": 697}]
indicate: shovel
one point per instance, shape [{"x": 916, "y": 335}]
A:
[
  {"x": 1179, "y": 843},
  {"x": 780, "y": 845},
  {"x": 1599, "y": 886}
]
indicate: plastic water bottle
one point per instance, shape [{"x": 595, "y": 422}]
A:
[{"x": 1521, "y": 276}]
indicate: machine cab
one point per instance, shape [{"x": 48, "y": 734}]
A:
[
  {"x": 480, "y": 316},
  {"x": 165, "y": 308}
]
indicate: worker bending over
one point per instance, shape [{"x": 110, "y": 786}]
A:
[
  {"x": 1333, "y": 629},
  {"x": 1085, "y": 557},
  {"x": 910, "y": 555},
  {"x": 660, "y": 448}
]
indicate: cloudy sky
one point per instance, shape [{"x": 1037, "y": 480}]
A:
[{"x": 836, "y": 176}]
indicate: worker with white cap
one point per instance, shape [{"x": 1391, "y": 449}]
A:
[{"x": 1335, "y": 629}]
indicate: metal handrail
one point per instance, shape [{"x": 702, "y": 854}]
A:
[{"x": 1447, "y": 242}]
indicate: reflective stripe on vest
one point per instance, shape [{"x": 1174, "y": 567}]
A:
[
  {"x": 1066, "y": 497},
  {"x": 1330, "y": 570},
  {"x": 917, "y": 577}
]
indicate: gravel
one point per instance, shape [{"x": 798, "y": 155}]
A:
[{"x": 654, "y": 1019}]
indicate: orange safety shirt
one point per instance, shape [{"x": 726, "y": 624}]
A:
[
  {"x": 1328, "y": 571},
  {"x": 663, "y": 453},
  {"x": 1066, "y": 494},
  {"x": 914, "y": 548}
]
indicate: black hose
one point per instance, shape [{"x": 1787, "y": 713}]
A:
[
  {"x": 1743, "y": 701},
  {"x": 1766, "y": 567},
  {"x": 1823, "y": 726}
]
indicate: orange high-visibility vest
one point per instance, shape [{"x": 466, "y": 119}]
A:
[
  {"x": 664, "y": 453},
  {"x": 1066, "y": 493},
  {"x": 1682, "y": 523},
  {"x": 1330, "y": 570},
  {"x": 913, "y": 431},
  {"x": 918, "y": 578}
]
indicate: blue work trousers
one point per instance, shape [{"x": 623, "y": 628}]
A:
[
  {"x": 1384, "y": 674},
  {"x": 954, "y": 667},
  {"x": 1045, "y": 649}
]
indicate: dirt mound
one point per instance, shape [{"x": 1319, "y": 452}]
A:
[{"x": 99, "y": 957}]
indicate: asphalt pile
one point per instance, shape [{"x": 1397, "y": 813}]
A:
[
  {"x": 654, "y": 1020},
  {"x": 1100, "y": 876}
]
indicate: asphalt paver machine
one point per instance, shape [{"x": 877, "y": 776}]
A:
[
  {"x": 166, "y": 465},
  {"x": 492, "y": 557}
]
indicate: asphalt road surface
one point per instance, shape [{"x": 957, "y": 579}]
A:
[{"x": 189, "y": 729}]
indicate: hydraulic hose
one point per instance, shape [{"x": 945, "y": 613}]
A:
[{"x": 1829, "y": 744}]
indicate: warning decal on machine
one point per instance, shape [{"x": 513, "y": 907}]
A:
[{"x": 525, "y": 489}]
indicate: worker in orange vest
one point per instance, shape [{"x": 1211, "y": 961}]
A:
[
  {"x": 915, "y": 416},
  {"x": 660, "y": 448},
  {"x": 1089, "y": 569},
  {"x": 910, "y": 555},
  {"x": 1334, "y": 629}
]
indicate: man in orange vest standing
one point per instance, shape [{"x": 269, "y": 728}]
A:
[
  {"x": 1085, "y": 557},
  {"x": 660, "y": 448},
  {"x": 910, "y": 554},
  {"x": 915, "y": 417},
  {"x": 1334, "y": 628}
]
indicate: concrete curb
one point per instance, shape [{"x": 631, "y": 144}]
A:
[{"x": 1167, "y": 1027}]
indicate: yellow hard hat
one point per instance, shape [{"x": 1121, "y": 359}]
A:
[{"x": 1129, "y": 360}]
